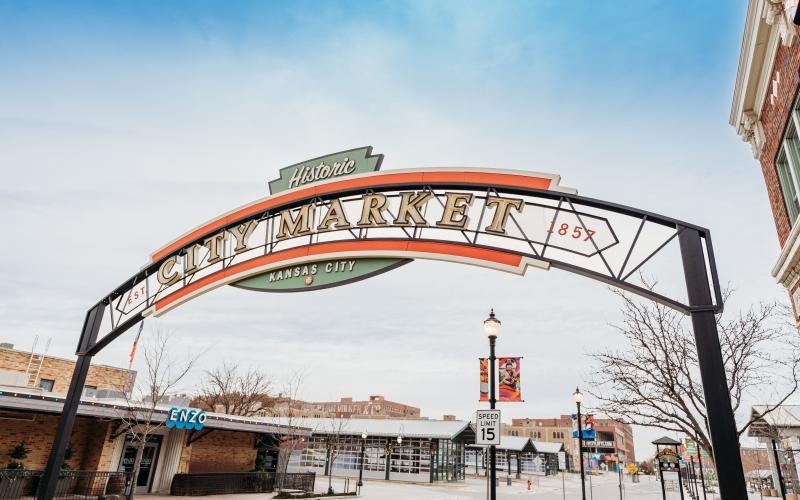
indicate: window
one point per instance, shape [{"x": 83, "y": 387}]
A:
[
  {"x": 46, "y": 384},
  {"x": 788, "y": 165},
  {"x": 90, "y": 391}
]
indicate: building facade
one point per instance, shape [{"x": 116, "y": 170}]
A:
[
  {"x": 53, "y": 374},
  {"x": 766, "y": 113},
  {"x": 613, "y": 445},
  {"x": 374, "y": 407}
]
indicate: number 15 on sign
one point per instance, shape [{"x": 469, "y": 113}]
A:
[{"x": 487, "y": 427}]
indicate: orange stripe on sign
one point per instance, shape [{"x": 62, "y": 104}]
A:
[
  {"x": 434, "y": 248},
  {"x": 456, "y": 176}
]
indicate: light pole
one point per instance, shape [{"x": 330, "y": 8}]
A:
[
  {"x": 577, "y": 396},
  {"x": 492, "y": 327},
  {"x": 361, "y": 471}
]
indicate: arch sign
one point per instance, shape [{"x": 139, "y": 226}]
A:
[{"x": 338, "y": 218}]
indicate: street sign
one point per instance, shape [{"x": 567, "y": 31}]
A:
[
  {"x": 487, "y": 427},
  {"x": 562, "y": 460}
]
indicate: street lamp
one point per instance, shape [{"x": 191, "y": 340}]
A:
[
  {"x": 492, "y": 328},
  {"x": 361, "y": 471},
  {"x": 577, "y": 396}
]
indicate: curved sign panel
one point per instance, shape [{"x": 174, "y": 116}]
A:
[{"x": 335, "y": 219}]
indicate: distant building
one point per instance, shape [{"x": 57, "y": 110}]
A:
[
  {"x": 614, "y": 443},
  {"x": 780, "y": 428},
  {"x": 375, "y": 407}
]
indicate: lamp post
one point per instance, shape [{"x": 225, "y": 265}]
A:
[
  {"x": 577, "y": 396},
  {"x": 361, "y": 471},
  {"x": 492, "y": 327}
]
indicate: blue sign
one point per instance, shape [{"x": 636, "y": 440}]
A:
[
  {"x": 186, "y": 418},
  {"x": 588, "y": 434}
]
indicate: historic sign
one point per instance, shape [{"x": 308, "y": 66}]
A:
[
  {"x": 350, "y": 162},
  {"x": 338, "y": 219}
]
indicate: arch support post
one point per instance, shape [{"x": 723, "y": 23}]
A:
[
  {"x": 91, "y": 326},
  {"x": 721, "y": 421}
]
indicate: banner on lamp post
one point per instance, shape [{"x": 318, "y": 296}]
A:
[
  {"x": 484, "y": 379},
  {"x": 509, "y": 369}
]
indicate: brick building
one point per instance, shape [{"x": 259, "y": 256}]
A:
[
  {"x": 52, "y": 374},
  {"x": 375, "y": 407},
  {"x": 32, "y": 389},
  {"x": 614, "y": 443},
  {"x": 766, "y": 113}
]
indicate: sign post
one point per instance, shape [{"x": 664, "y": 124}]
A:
[
  {"x": 487, "y": 427},
  {"x": 562, "y": 466}
]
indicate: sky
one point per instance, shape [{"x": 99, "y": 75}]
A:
[{"x": 125, "y": 124}]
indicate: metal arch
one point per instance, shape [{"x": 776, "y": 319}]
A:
[
  {"x": 619, "y": 281},
  {"x": 698, "y": 265}
]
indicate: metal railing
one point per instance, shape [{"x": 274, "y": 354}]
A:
[
  {"x": 77, "y": 485},
  {"x": 218, "y": 483}
]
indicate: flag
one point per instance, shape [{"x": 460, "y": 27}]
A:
[
  {"x": 509, "y": 369},
  {"x": 135, "y": 341},
  {"x": 484, "y": 379}
]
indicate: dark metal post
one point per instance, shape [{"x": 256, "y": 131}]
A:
[
  {"x": 492, "y": 403},
  {"x": 661, "y": 475},
  {"x": 722, "y": 425},
  {"x": 702, "y": 476},
  {"x": 361, "y": 470},
  {"x": 580, "y": 453},
  {"x": 778, "y": 468},
  {"x": 680, "y": 479},
  {"x": 91, "y": 326}
]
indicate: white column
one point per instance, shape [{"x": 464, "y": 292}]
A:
[{"x": 168, "y": 460}]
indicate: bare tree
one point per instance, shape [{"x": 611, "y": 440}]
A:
[
  {"x": 293, "y": 434},
  {"x": 226, "y": 389},
  {"x": 654, "y": 381},
  {"x": 163, "y": 375},
  {"x": 334, "y": 443}
]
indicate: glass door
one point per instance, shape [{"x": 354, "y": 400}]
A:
[{"x": 147, "y": 467}]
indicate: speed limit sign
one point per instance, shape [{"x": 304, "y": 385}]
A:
[{"x": 487, "y": 429}]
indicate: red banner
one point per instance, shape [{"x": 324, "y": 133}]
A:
[
  {"x": 509, "y": 385},
  {"x": 484, "y": 371}
]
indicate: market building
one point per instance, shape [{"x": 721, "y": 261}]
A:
[
  {"x": 766, "y": 113},
  {"x": 393, "y": 449},
  {"x": 517, "y": 456}
]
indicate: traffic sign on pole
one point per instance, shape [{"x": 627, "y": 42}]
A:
[{"x": 487, "y": 428}]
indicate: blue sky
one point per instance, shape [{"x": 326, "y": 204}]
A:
[{"x": 123, "y": 124}]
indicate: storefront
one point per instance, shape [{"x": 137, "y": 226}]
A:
[
  {"x": 401, "y": 450},
  {"x": 102, "y": 441}
]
